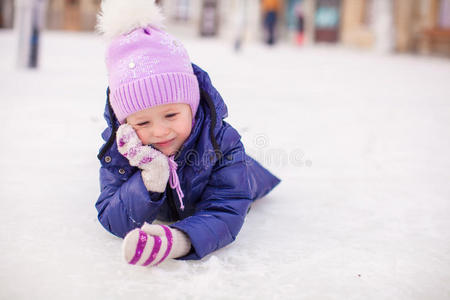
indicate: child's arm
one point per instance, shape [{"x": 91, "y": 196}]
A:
[
  {"x": 127, "y": 199},
  {"x": 124, "y": 203},
  {"x": 225, "y": 202}
]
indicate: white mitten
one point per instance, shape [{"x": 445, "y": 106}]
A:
[
  {"x": 152, "y": 244},
  {"x": 154, "y": 164}
]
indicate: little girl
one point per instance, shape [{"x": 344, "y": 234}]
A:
[{"x": 168, "y": 154}]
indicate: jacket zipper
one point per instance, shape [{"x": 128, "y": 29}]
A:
[{"x": 171, "y": 203}]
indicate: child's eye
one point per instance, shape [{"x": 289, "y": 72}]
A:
[
  {"x": 142, "y": 123},
  {"x": 171, "y": 115}
]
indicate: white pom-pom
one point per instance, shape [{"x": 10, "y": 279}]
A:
[{"x": 119, "y": 17}]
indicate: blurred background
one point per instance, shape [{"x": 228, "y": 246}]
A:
[{"x": 412, "y": 26}]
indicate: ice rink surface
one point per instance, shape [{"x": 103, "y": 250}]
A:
[{"x": 360, "y": 140}]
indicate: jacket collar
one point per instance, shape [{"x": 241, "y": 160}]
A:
[
  {"x": 206, "y": 86},
  {"x": 212, "y": 110}
]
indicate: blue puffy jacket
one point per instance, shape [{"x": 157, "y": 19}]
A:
[{"x": 218, "y": 179}]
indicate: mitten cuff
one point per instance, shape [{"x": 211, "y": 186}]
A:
[
  {"x": 156, "y": 174},
  {"x": 181, "y": 244}
]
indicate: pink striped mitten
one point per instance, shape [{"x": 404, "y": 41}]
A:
[
  {"x": 152, "y": 244},
  {"x": 154, "y": 164}
]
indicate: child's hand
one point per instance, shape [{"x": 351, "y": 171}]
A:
[
  {"x": 154, "y": 164},
  {"x": 152, "y": 244}
]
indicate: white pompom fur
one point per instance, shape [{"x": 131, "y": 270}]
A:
[{"x": 119, "y": 17}]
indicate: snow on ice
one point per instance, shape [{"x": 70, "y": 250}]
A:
[{"x": 360, "y": 140}]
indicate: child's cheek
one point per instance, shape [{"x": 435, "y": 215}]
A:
[{"x": 142, "y": 136}]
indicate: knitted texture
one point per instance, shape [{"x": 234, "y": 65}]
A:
[
  {"x": 148, "y": 67},
  {"x": 152, "y": 244},
  {"x": 154, "y": 165}
]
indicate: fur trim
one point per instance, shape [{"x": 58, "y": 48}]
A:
[{"x": 118, "y": 17}]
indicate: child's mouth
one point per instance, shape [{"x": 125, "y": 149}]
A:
[{"x": 165, "y": 143}]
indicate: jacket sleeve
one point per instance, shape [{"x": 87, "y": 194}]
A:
[
  {"x": 125, "y": 203},
  {"x": 224, "y": 203}
]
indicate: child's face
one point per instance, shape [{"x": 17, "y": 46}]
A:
[{"x": 164, "y": 127}]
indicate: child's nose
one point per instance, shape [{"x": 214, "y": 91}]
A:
[{"x": 160, "y": 130}]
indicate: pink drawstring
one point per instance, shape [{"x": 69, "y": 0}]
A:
[{"x": 174, "y": 181}]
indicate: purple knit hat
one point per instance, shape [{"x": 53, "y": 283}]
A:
[{"x": 148, "y": 67}]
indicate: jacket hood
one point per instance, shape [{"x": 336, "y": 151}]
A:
[{"x": 207, "y": 90}]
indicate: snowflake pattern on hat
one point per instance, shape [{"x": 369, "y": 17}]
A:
[
  {"x": 174, "y": 45},
  {"x": 176, "y": 48},
  {"x": 129, "y": 38}
]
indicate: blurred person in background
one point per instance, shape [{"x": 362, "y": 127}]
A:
[
  {"x": 240, "y": 24},
  {"x": 300, "y": 22},
  {"x": 270, "y": 10}
]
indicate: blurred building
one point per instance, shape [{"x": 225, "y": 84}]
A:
[
  {"x": 327, "y": 20},
  {"x": 61, "y": 14},
  {"x": 356, "y": 23},
  {"x": 423, "y": 27},
  {"x": 416, "y": 26},
  {"x": 6, "y": 13},
  {"x": 72, "y": 14}
]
